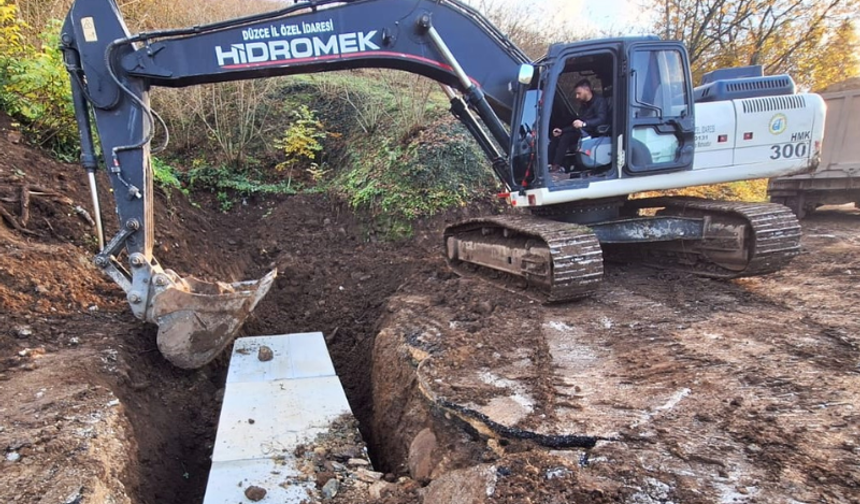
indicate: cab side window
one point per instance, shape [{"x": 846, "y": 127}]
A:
[{"x": 659, "y": 95}]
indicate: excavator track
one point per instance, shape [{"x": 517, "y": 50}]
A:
[
  {"x": 740, "y": 239},
  {"x": 547, "y": 261}
]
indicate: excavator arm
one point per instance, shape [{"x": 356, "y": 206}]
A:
[{"x": 112, "y": 72}]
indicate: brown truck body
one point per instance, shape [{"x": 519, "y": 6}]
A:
[{"x": 836, "y": 181}]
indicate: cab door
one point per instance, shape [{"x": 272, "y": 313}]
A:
[{"x": 660, "y": 123}]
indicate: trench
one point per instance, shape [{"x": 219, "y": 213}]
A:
[
  {"x": 174, "y": 413},
  {"x": 332, "y": 279}
]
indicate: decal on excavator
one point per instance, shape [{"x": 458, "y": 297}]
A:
[{"x": 266, "y": 53}]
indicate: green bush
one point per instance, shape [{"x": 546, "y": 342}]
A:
[
  {"x": 34, "y": 86},
  {"x": 166, "y": 176},
  {"x": 228, "y": 183},
  {"x": 301, "y": 142},
  {"x": 397, "y": 183}
]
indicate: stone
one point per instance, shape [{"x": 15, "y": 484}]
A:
[
  {"x": 379, "y": 489},
  {"x": 23, "y": 331},
  {"x": 13, "y": 456},
  {"x": 323, "y": 477},
  {"x": 472, "y": 485},
  {"x": 346, "y": 452},
  {"x": 422, "y": 458},
  {"x": 76, "y": 497},
  {"x": 357, "y": 462},
  {"x": 368, "y": 476},
  {"x": 484, "y": 308},
  {"x": 557, "y": 472},
  {"x": 329, "y": 490},
  {"x": 265, "y": 354},
  {"x": 255, "y": 493}
]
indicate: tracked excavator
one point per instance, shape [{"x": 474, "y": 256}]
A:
[{"x": 663, "y": 134}]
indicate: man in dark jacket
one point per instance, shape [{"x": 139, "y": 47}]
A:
[{"x": 594, "y": 112}]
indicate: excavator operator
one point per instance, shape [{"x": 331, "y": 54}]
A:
[{"x": 594, "y": 112}]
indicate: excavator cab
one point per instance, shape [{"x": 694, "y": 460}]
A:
[{"x": 647, "y": 85}]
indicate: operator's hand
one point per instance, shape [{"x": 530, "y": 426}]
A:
[
  {"x": 556, "y": 132},
  {"x": 578, "y": 124}
]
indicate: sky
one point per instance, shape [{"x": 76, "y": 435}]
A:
[{"x": 602, "y": 15}]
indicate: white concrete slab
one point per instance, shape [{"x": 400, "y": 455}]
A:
[
  {"x": 259, "y": 419},
  {"x": 269, "y": 408},
  {"x": 301, "y": 355},
  {"x": 229, "y": 480}
]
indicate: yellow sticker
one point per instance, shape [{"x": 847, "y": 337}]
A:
[{"x": 89, "y": 29}]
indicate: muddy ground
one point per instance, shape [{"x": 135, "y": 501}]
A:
[{"x": 692, "y": 390}]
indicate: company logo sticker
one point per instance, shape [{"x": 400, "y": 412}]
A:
[{"x": 778, "y": 124}]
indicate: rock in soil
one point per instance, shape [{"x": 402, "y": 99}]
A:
[{"x": 329, "y": 490}]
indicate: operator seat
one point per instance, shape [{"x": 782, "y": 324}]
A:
[{"x": 595, "y": 152}]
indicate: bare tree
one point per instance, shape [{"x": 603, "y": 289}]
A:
[{"x": 784, "y": 36}]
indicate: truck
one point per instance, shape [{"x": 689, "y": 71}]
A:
[
  {"x": 566, "y": 225},
  {"x": 836, "y": 180}
]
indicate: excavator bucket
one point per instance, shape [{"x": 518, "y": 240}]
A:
[{"x": 197, "y": 320}]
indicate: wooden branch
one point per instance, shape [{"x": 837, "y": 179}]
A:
[
  {"x": 84, "y": 215},
  {"x": 14, "y": 223},
  {"x": 25, "y": 205}
]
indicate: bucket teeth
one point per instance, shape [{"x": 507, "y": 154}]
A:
[{"x": 197, "y": 320}]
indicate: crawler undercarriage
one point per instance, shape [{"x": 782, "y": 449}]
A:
[{"x": 559, "y": 254}]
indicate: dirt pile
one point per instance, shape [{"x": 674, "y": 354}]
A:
[{"x": 697, "y": 390}]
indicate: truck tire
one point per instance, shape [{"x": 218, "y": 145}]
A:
[{"x": 796, "y": 203}]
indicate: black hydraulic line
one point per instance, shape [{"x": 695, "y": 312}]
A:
[
  {"x": 384, "y": 29},
  {"x": 314, "y": 5},
  {"x": 477, "y": 98},
  {"x": 472, "y": 92},
  {"x": 82, "y": 117},
  {"x": 89, "y": 161}
]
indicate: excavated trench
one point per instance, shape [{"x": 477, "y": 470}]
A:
[{"x": 335, "y": 277}]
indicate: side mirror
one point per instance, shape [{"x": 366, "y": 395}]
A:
[{"x": 527, "y": 73}]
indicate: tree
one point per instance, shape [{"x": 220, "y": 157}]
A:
[{"x": 804, "y": 38}]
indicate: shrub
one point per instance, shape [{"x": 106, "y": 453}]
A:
[
  {"x": 34, "y": 85},
  {"x": 301, "y": 142},
  {"x": 440, "y": 168}
]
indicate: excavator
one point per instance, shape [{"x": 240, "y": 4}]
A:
[{"x": 663, "y": 134}]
